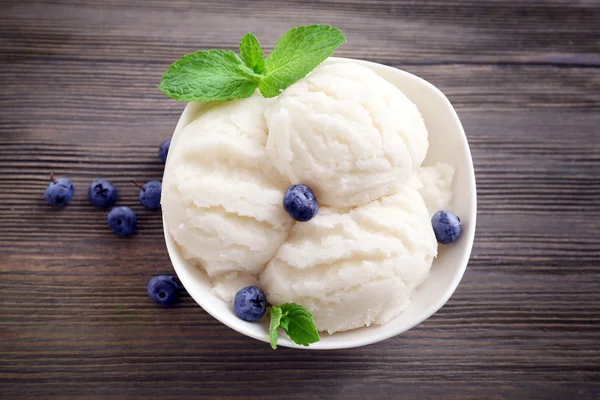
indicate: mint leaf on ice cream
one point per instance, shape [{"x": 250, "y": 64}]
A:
[
  {"x": 209, "y": 75},
  {"x": 221, "y": 75},
  {"x": 296, "y": 54},
  {"x": 252, "y": 53},
  {"x": 296, "y": 320}
]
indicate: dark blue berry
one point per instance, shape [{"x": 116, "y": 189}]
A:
[
  {"x": 250, "y": 304},
  {"x": 59, "y": 192},
  {"x": 122, "y": 221},
  {"x": 446, "y": 226},
  {"x": 150, "y": 194},
  {"x": 300, "y": 202},
  {"x": 163, "y": 150},
  {"x": 164, "y": 290},
  {"x": 102, "y": 193}
]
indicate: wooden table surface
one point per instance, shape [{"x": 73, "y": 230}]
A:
[{"x": 79, "y": 98}]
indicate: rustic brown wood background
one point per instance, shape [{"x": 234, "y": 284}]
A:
[{"x": 78, "y": 97}]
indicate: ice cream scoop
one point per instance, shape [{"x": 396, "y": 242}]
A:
[
  {"x": 355, "y": 268},
  {"x": 347, "y": 133},
  {"x": 222, "y": 197}
]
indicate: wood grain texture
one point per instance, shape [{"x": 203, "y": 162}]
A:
[{"x": 78, "y": 98}]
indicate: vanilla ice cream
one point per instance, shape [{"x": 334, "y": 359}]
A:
[
  {"x": 347, "y": 133},
  {"x": 222, "y": 197},
  {"x": 356, "y": 268},
  {"x": 434, "y": 184},
  {"x": 359, "y": 143}
]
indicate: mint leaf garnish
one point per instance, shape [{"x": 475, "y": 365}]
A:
[
  {"x": 296, "y": 320},
  {"x": 300, "y": 324},
  {"x": 221, "y": 75},
  {"x": 209, "y": 75},
  {"x": 252, "y": 53},
  {"x": 274, "y": 326},
  {"x": 296, "y": 54}
]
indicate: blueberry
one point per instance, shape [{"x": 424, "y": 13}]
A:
[
  {"x": 122, "y": 221},
  {"x": 446, "y": 226},
  {"x": 250, "y": 303},
  {"x": 102, "y": 193},
  {"x": 164, "y": 290},
  {"x": 163, "y": 150},
  {"x": 150, "y": 194},
  {"x": 59, "y": 192},
  {"x": 300, "y": 202}
]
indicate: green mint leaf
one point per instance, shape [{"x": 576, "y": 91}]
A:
[
  {"x": 274, "y": 326},
  {"x": 299, "y": 324},
  {"x": 297, "y": 53},
  {"x": 252, "y": 53},
  {"x": 209, "y": 75}
]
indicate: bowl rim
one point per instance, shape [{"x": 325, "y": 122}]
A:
[{"x": 186, "y": 277}]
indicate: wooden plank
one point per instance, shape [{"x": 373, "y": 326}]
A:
[{"x": 556, "y": 32}]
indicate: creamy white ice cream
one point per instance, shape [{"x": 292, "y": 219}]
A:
[
  {"x": 222, "y": 197},
  {"x": 347, "y": 133},
  {"x": 356, "y": 268},
  {"x": 434, "y": 184},
  {"x": 359, "y": 143}
]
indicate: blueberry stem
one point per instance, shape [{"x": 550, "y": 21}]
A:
[
  {"x": 138, "y": 185},
  {"x": 52, "y": 177}
]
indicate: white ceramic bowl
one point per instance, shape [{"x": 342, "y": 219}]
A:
[{"x": 448, "y": 143}]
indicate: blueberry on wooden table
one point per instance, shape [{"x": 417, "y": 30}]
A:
[
  {"x": 122, "y": 221},
  {"x": 59, "y": 192},
  {"x": 163, "y": 150},
  {"x": 150, "y": 194},
  {"x": 164, "y": 290},
  {"x": 102, "y": 193}
]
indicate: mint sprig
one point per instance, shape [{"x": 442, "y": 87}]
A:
[
  {"x": 220, "y": 75},
  {"x": 296, "y": 320}
]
